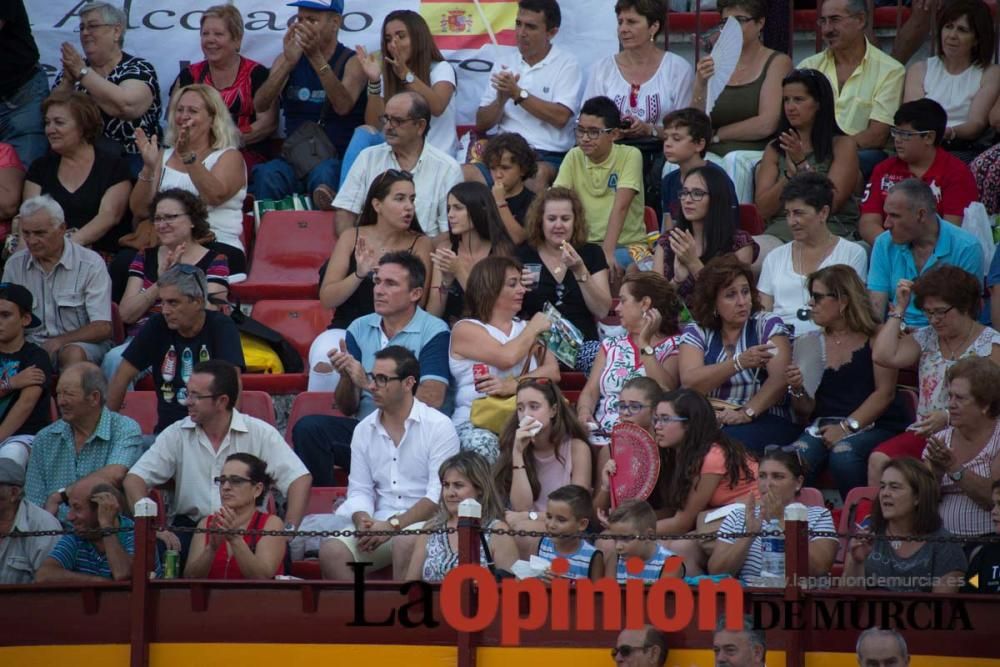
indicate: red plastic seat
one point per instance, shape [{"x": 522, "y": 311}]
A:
[
  {"x": 856, "y": 497},
  {"x": 649, "y": 217},
  {"x": 258, "y": 404},
  {"x": 289, "y": 249},
  {"x": 310, "y": 403},
  {"x": 141, "y": 406},
  {"x": 572, "y": 380},
  {"x": 117, "y": 325},
  {"x": 299, "y": 321},
  {"x": 811, "y": 497},
  {"x": 277, "y": 384},
  {"x": 750, "y": 220},
  {"x": 321, "y": 498}
]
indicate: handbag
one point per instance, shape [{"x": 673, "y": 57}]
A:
[
  {"x": 493, "y": 412},
  {"x": 309, "y": 144}
]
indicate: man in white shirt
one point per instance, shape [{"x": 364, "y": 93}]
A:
[
  {"x": 395, "y": 455},
  {"x": 193, "y": 450},
  {"x": 407, "y": 119},
  {"x": 20, "y": 557},
  {"x": 534, "y": 92}
]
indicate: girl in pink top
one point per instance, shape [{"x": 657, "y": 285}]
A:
[
  {"x": 700, "y": 469},
  {"x": 542, "y": 448}
]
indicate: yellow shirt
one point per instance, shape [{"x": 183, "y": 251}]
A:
[
  {"x": 596, "y": 184},
  {"x": 872, "y": 92}
]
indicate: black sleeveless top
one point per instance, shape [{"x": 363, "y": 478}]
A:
[{"x": 842, "y": 390}]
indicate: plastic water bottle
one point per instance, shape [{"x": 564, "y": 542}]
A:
[{"x": 772, "y": 550}]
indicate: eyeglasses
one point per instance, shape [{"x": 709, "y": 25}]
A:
[
  {"x": 937, "y": 313},
  {"x": 91, "y": 27},
  {"x": 166, "y": 218},
  {"x": 533, "y": 381},
  {"x": 591, "y": 133},
  {"x": 192, "y": 270},
  {"x": 832, "y": 21},
  {"x": 663, "y": 420},
  {"x": 626, "y": 650},
  {"x": 382, "y": 380},
  {"x": 816, "y": 297},
  {"x": 696, "y": 194},
  {"x": 905, "y": 135},
  {"x": 191, "y": 398},
  {"x": 401, "y": 174},
  {"x": 787, "y": 449},
  {"x": 632, "y": 407},
  {"x": 232, "y": 480},
  {"x": 742, "y": 20},
  {"x": 394, "y": 121}
]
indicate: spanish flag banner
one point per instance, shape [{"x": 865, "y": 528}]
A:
[{"x": 469, "y": 25}]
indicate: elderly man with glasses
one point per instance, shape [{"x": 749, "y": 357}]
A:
[
  {"x": 193, "y": 451},
  {"x": 174, "y": 340},
  {"x": 396, "y": 453},
  {"x": 917, "y": 134},
  {"x": 407, "y": 120},
  {"x": 867, "y": 83},
  {"x": 646, "y": 647}
]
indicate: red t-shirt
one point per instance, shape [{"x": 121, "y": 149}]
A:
[{"x": 948, "y": 177}]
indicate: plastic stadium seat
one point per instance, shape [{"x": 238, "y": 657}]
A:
[
  {"x": 310, "y": 403},
  {"x": 289, "y": 249},
  {"x": 649, "y": 217},
  {"x": 141, "y": 406},
  {"x": 856, "y": 499},
  {"x": 910, "y": 400},
  {"x": 299, "y": 321},
  {"x": 811, "y": 497},
  {"x": 572, "y": 395},
  {"x": 750, "y": 220},
  {"x": 572, "y": 380},
  {"x": 280, "y": 383},
  {"x": 117, "y": 325},
  {"x": 321, "y": 498},
  {"x": 258, "y": 404}
]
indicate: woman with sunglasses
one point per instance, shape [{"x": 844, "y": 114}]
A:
[
  {"x": 410, "y": 62},
  {"x": 701, "y": 468},
  {"x": 854, "y": 407},
  {"x": 388, "y": 223},
  {"x": 962, "y": 77},
  {"x": 780, "y": 478},
  {"x": 748, "y": 110},
  {"x": 736, "y": 353},
  {"x": 543, "y": 447},
  {"x": 950, "y": 299},
  {"x": 476, "y": 232},
  {"x": 645, "y": 81},
  {"x": 243, "y": 487},
  {"x": 807, "y": 200},
  {"x": 809, "y": 139},
  {"x": 492, "y": 350},
  {"x": 180, "y": 218},
  {"x": 908, "y": 497},
  {"x": 705, "y": 229},
  {"x": 574, "y": 274}
]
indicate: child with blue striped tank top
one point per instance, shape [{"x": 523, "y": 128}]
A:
[
  {"x": 627, "y": 521},
  {"x": 567, "y": 514}
]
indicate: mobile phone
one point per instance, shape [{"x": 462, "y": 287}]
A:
[
  {"x": 480, "y": 372},
  {"x": 626, "y": 123}
]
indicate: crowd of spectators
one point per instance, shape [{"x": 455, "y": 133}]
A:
[{"x": 758, "y": 366}]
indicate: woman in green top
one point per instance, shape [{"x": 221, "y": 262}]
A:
[{"x": 809, "y": 139}]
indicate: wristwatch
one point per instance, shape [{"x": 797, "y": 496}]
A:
[
  {"x": 852, "y": 425},
  {"x": 521, "y": 96},
  {"x": 394, "y": 522},
  {"x": 409, "y": 78},
  {"x": 648, "y": 351},
  {"x": 63, "y": 496},
  {"x": 957, "y": 475},
  {"x": 750, "y": 412},
  {"x": 582, "y": 279},
  {"x": 84, "y": 71},
  {"x": 533, "y": 515}
]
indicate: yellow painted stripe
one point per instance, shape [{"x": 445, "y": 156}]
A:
[{"x": 212, "y": 655}]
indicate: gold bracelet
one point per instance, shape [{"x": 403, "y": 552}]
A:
[{"x": 323, "y": 68}]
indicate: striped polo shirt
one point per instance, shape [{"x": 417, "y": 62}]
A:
[{"x": 76, "y": 554}]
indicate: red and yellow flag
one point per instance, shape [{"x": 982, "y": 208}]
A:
[{"x": 458, "y": 25}]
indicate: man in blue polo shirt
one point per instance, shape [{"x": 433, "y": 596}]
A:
[
  {"x": 916, "y": 240},
  {"x": 323, "y": 442}
]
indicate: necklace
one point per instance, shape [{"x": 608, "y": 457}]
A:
[{"x": 954, "y": 352}]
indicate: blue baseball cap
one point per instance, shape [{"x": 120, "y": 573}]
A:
[{"x": 320, "y": 5}]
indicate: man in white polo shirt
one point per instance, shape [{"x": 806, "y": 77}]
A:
[
  {"x": 534, "y": 92},
  {"x": 407, "y": 119}
]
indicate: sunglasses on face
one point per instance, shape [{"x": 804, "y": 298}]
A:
[
  {"x": 231, "y": 480},
  {"x": 625, "y": 650}
]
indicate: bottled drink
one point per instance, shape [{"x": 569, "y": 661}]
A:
[
  {"x": 203, "y": 354},
  {"x": 772, "y": 550}
]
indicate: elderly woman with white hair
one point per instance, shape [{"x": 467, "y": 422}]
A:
[
  {"x": 124, "y": 86},
  {"x": 203, "y": 158}
]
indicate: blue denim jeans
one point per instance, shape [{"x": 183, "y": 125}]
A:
[
  {"x": 275, "y": 179},
  {"x": 21, "y": 123},
  {"x": 322, "y": 442},
  {"x": 767, "y": 429},
  {"x": 847, "y": 458},
  {"x": 361, "y": 139}
]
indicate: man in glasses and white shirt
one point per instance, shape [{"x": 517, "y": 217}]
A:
[
  {"x": 396, "y": 453},
  {"x": 406, "y": 121}
]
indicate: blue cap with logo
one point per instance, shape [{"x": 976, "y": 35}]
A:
[{"x": 320, "y": 5}]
